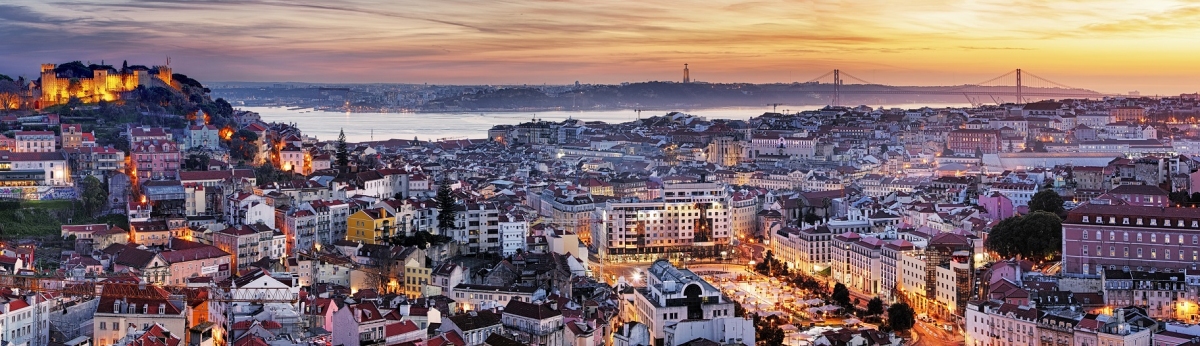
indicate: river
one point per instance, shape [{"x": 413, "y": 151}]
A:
[{"x": 361, "y": 127}]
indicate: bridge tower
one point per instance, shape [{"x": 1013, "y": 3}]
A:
[
  {"x": 1020, "y": 99},
  {"x": 837, "y": 87},
  {"x": 687, "y": 78}
]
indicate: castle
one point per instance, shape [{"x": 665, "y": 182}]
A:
[{"x": 105, "y": 83}]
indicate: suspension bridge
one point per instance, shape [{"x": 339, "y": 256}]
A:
[{"x": 1021, "y": 85}]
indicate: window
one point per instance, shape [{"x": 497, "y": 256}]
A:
[
  {"x": 1126, "y": 252},
  {"x": 1125, "y": 236},
  {"x": 1139, "y": 236},
  {"x": 1139, "y": 252},
  {"x": 1085, "y": 235},
  {"x": 1085, "y": 253},
  {"x": 1153, "y": 238},
  {"x": 1112, "y": 235},
  {"x": 1153, "y": 253},
  {"x": 1112, "y": 251}
]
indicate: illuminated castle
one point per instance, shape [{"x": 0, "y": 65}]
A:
[{"x": 105, "y": 83}]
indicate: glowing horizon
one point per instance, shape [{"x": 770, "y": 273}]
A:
[{"x": 1112, "y": 46}]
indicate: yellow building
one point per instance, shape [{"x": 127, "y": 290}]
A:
[
  {"x": 416, "y": 277},
  {"x": 369, "y": 226}
]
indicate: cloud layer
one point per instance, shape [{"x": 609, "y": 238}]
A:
[{"x": 1116, "y": 46}]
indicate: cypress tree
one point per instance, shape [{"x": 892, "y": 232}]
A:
[
  {"x": 446, "y": 202},
  {"x": 343, "y": 154}
]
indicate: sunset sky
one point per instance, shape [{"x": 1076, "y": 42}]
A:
[{"x": 1111, "y": 46}]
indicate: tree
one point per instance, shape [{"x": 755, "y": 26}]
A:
[
  {"x": 94, "y": 196},
  {"x": 1046, "y": 200},
  {"x": 1180, "y": 198},
  {"x": 196, "y": 162},
  {"x": 243, "y": 146},
  {"x": 841, "y": 296},
  {"x": 446, "y": 206},
  {"x": 343, "y": 154},
  {"x": 875, "y": 306},
  {"x": 1037, "y": 236},
  {"x": 811, "y": 217},
  {"x": 1195, "y": 197},
  {"x": 901, "y": 317}
]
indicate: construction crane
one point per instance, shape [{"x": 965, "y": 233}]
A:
[{"x": 94, "y": 288}]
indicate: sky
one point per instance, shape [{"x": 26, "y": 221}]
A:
[{"x": 1112, "y": 46}]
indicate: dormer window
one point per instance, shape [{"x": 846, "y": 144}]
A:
[
  {"x": 1125, "y": 221},
  {"x": 1112, "y": 220},
  {"x": 1154, "y": 222},
  {"x": 1085, "y": 218},
  {"x": 1139, "y": 221}
]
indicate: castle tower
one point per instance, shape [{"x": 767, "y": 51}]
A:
[
  {"x": 164, "y": 74},
  {"x": 687, "y": 78}
]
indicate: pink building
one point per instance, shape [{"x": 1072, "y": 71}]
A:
[
  {"x": 156, "y": 159},
  {"x": 1098, "y": 236},
  {"x": 998, "y": 206}
]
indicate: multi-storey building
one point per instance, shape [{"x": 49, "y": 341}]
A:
[
  {"x": 1163, "y": 294},
  {"x": 743, "y": 214},
  {"x": 155, "y": 159},
  {"x": 250, "y": 243},
  {"x": 203, "y": 137},
  {"x": 513, "y": 230},
  {"x": 34, "y": 141},
  {"x": 1117, "y": 236},
  {"x": 1131, "y": 114},
  {"x": 857, "y": 262},
  {"x": 570, "y": 208},
  {"x": 949, "y": 265},
  {"x": 477, "y": 228},
  {"x": 971, "y": 142},
  {"x": 359, "y": 324},
  {"x": 781, "y": 145},
  {"x": 479, "y": 297},
  {"x": 71, "y": 136},
  {"x": 300, "y": 226},
  {"x": 535, "y": 323},
  {"x": 189, "y": 260},
  {"x": 370, "y": 226},
  {"x": 691, "y": 218},
  {"x": 672, "y": 295},
  {"x": 99, "y": 162},
  {"x": 28, "y": 169},
  {"x": 152, "y": 305},
  {"x": 331, "y": 220}
]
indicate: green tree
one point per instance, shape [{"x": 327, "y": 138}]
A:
[
  {"x": 196, "y": 162},
  {"x": 94, "y": 196},
  {"x": 811, "y": 217},
  {"x": 1180, "y": 198},
  {"x": 901, "y": 317},
  {"x": 343, "y": 153},
  {"x": 1036, "y": 236},
  {"x": 1046, "y": 200},
  {"x": 841, "y": 296},
  {"x": 875, "y": 306},
  {"x": 243, "y": 145},
  {"x": 446, "y": 206}
]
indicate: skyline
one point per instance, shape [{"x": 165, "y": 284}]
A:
[{"x": 1109, "y": 46}]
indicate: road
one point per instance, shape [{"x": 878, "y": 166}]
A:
[{"x": 930, "y": 335}]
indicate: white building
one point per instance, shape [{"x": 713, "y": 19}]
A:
[
  {"x": 690, "y": 218},
  {"x": 35, "y": 168},
  {"x": 513, "y": 230},
  {"x": 672, "y": 295}
]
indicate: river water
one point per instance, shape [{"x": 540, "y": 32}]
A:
[{"x": 361, "y": 127}]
